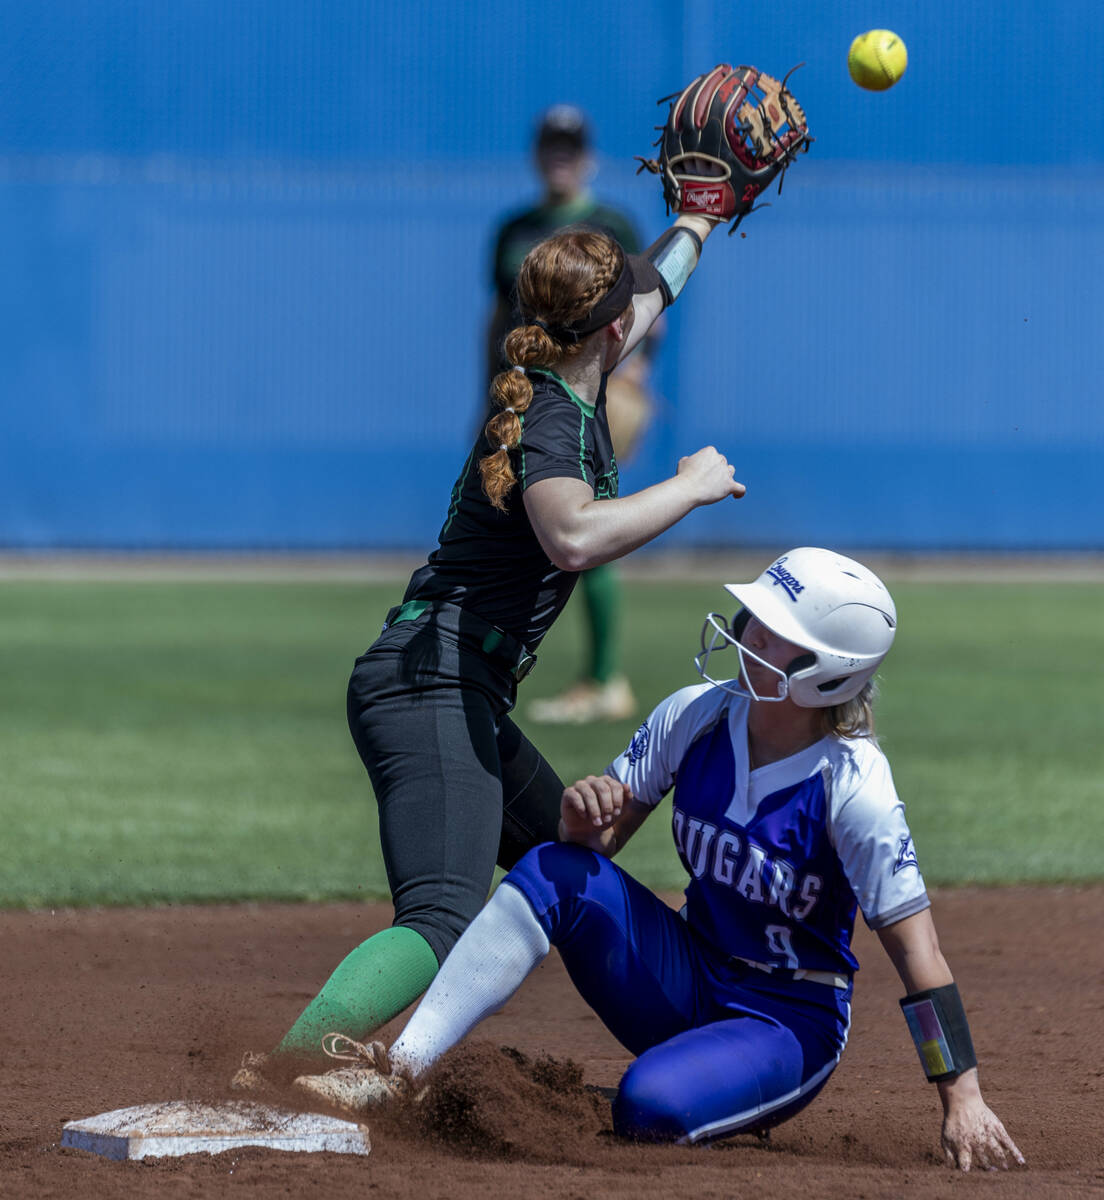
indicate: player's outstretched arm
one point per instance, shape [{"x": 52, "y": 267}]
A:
[
  {"x": 578, "y": 532},
  {"x": 973, "y": 1135},
  {"x": 673, "y": 258}
]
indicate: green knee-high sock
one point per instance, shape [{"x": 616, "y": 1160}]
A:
[
  {"x": 602, "y": 594},
  {"x": 374, "y": 983}
]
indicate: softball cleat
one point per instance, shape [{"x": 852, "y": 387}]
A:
[
  {"x": 586, "y": 702},
  {"x": 368, "y": 1083}
]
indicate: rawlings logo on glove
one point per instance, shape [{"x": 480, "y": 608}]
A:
[
  {"x": 728, "y": 135},
  {"x": 716, "y": 201}
]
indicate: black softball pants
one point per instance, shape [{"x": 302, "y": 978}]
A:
[{"x": 458, "y": 785}]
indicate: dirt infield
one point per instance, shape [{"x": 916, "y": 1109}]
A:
[{"x": 104, "y": 1009}]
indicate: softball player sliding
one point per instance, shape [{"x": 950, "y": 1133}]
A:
[{"x": 786, "y": 819}]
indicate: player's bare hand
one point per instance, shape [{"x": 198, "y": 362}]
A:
[
  {"x": 591, "y": 803},
  {"x": 710, "y": 476},
  {"x": 973, "y": 1136}
]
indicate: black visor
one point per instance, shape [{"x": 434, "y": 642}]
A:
[{"x": 637, "y": 277}]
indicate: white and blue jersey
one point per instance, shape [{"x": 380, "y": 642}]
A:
[
  {"x": 778, "y": 857},
  {"x": 738, "y": 1007}
]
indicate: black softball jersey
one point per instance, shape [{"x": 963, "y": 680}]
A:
[{"x": 490, "y": 562}]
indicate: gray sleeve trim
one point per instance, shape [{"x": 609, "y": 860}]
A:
[
  {"x": 674, "y": 255},
  {"x": 909, "y": 909}
]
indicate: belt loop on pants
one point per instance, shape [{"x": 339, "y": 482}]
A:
[
  {"x": 495, "y": 642},
  {"x": 410, "y": 611},
  {"x": 828, "y": 978}
]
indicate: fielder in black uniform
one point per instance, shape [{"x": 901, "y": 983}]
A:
[{"x": 457, "y": 784}]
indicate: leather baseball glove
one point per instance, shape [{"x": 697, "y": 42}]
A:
[{"x": 728, "y": 135}]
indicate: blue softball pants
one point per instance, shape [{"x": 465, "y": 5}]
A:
[{"x": 721, "y": 1046}]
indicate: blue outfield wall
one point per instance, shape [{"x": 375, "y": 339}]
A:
[{"x": 246, "y": 251}]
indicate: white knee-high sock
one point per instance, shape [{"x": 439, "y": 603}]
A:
[{"x": 484, "y": 969}]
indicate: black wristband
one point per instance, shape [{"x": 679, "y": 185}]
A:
[{"x": 937, "y": 1022}]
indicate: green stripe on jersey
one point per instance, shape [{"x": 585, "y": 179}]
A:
[
  {"x": 457, "y": 492},
  {"x": 586, "y": 409}
]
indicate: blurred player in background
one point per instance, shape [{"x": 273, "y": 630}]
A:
[
  {"x": 786, "y": 818},
  {"x": 562, "y": 152}
]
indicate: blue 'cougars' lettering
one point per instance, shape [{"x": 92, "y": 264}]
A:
[
  {"x": 750, "y": 883},
  {"x": 810, "y": 894},
  {"x": 726, "y": 856},
  {"x": 699, "y": 837},
  {"x": 782, "y": 886},
  {"x": 743, "y": 866},
  {"x": 790, "y": 584}
]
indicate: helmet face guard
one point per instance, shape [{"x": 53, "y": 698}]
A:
[
  {"x": 835, "y": 609},
  {"x": 720, "y": 636}
]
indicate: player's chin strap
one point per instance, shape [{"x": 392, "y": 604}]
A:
[{"x": 937, "y": 1022}]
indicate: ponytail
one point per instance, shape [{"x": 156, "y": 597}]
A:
[
  {"x": 512, "y": 392},
  {"x": 561, "y": 280}
]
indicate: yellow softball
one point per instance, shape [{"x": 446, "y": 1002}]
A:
[{"x": 877, "y": 59}]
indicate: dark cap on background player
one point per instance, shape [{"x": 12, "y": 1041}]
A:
[{"x": 563, "y": 125}]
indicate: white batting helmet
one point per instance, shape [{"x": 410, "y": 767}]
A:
[{"x": 838, "y": 611}]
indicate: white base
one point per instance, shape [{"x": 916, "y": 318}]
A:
[{"x": 187, "y": 1127}]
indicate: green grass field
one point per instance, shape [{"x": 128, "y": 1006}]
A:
[{"x": 177, "y": 742}]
